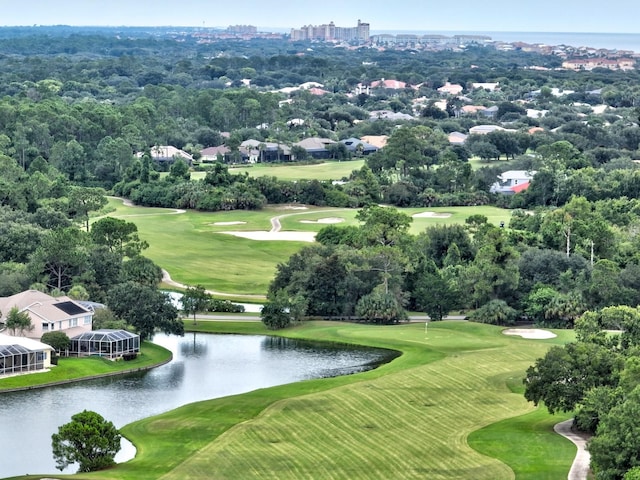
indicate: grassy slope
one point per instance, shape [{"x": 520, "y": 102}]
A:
[{"x": 408, "y": 419}]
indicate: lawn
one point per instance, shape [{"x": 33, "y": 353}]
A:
[
  {"x": 77, "y": 368},
  {"x": 317, "y": 171},
  {"x": 410, "y": 418},
  {"x": 193, "y": 249}
]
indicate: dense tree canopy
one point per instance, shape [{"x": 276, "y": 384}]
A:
[{"x": 146, "y": 309}]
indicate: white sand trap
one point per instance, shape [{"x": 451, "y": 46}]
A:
[
  {"x": 229, "y": 223},
  {"x": 295, "y": 207},
  {"x": 431, "y": 215},
  {"x": 324, "y": 220},
  {"x": 276, "y": 236},
  {"x": 533, "y": 333}
]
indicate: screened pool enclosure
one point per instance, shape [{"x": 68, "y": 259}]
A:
[
  {"x": 18, "y": 359},
  {"x": 105, "y": 343},
  {"x": 20, "y": 355}
]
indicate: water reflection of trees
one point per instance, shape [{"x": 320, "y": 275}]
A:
[
  {"x": 360, "y": 358},
  {"x": 195, "y": 347},
  {"x": 281, "y": 344}
]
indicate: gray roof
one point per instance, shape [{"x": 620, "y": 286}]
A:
[{"x": 352, "y": 144}]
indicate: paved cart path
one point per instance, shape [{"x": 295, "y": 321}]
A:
[{"x": 580, "y": 468}]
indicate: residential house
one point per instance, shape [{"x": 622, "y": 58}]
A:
[
  {"x": 167, "y": 154},
  {"x": 316, "y": 147},
  {"x": 21, "y": 355},
  {"x": 451, "y": 89},
  {"x": 512, "y": 182},
  {"x": 49, "y": 313},
  {"x": 471, "y": 109},
  {"x": 390, "y": 84},
  {"x": 484, "y": 129},
  {"x": 389, "y": 115},
  {"x": 359, "y": 148},
  {"x": 599, "y": 62},
  {"x": 265, "y": 152},
  {"x": 490, "y": 112},
  {"x": 214, "y": 154},
  {"x": 376, "y": 140},
  {"x": 380, "y": 84},
  {"x": 302, "y": 86},
  {"x": 112, "y": 344},
  {"x": 533, "y": 113},
  {"x": 457, "y": 138},
  {"x": 296, "y": 122},
  {"x": 249, "y": 151},
  {"x": 490, "y": 87}
]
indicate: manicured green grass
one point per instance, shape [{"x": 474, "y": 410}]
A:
[
  {"x": 193, "y": 249},
  {"x": 477, "y": 163},
  {"x": 76, "y": 368},
  {"x": 457, "y": 215},
  {"x": 319, "y": 171},
  {"x": 546, "y": 454},
  {"x": 410, "y": 418},
  {"x": 329, "y": 170}
]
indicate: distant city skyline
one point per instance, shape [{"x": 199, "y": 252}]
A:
[{"x": 620, "y": 16}]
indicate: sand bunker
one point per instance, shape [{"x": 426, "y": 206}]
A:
[
  {"x": 295, "y": 207},
  {"x": 277, "y": 236},
  {"x": 431, "y": 215},
  {"x": 532, "y": 333},
  {"x": 229, "y": 223},
  {"x": 324, "y": 220}
]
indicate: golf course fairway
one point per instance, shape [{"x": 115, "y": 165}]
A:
[{"x": 410, "y": 418}]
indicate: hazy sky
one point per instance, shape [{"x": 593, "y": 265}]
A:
[{"x": 619, "y": 16}]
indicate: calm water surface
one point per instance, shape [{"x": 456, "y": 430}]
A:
[{"x": 204, "y": 366}]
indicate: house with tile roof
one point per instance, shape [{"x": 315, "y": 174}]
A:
[
  {"x": 389, "y": 83},
  {"x": 451, "y": 89},
  {"x": 48, "y": 314},
  {"x": 376, "y": 140},
  {"x": 457, "y": 138}
]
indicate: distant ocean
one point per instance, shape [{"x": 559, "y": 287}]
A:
[{"x": 610, "y": 41}]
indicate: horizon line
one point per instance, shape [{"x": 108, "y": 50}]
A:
[{"x": 404, "y": 30}]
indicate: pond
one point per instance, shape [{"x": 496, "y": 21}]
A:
[{"x": 204, "y": 366}]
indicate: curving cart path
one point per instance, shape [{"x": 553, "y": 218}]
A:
[
  {"x": 580, "y": 467},
  {"x": 166, "y": 278}
]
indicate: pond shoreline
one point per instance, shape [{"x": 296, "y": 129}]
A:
[{"x": 90, "y": 377}]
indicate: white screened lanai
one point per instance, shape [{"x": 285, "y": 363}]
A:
[
  {"x": 105, "y": 343},
  {"x": 20, "y": 355}
]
